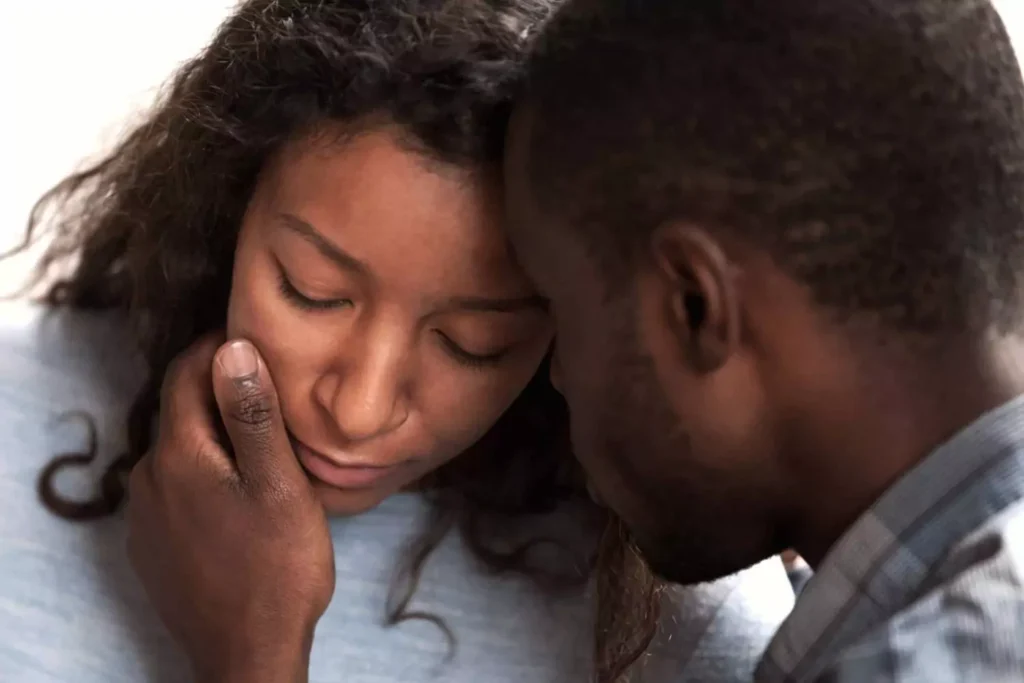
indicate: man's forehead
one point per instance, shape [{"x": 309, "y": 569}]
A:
[
  {"x": 517, "y": 143},
  {"x": 542, "y": 237},
  {"x": 521, "y": 203}
]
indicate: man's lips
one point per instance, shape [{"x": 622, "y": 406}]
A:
[{"x": 338, "y": 474}]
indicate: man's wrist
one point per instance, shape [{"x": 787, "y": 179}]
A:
[{"x": 280, "y": 671}]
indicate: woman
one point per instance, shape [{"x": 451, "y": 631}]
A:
[{"x": 323, "y": 180}]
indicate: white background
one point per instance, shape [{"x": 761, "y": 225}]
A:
[{"x": 73, "y": 72}]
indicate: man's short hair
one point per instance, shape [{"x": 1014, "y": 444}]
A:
[{"x": 875, "y": 148}]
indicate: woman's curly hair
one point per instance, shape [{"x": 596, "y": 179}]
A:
[{"x": 149, "y": 231}]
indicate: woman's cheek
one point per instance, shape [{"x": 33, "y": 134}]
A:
[
  {"x": 255, "y": 314},
  {"x": 275, "y": 335},
  {"x": 245, "y": 293},
  {"x": 280, "y": 336},
  {"x": 255, "y": 308}
]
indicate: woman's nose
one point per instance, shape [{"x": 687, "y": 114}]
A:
[{"x": 365, "y": 396}]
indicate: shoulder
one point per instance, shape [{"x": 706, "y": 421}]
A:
[
  {"x": 53, "y": 363},
  {"x": 66, "y": 360},
  {"x": 967, "y": 624}
]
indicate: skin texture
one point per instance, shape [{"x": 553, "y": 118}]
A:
[
  {"x": 707, "y": 385},
  {"x": 425, "y": 329}
]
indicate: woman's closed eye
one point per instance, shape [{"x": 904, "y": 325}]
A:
[
  {"x": 467, "y": 358},
  {"x": 453, "y": 349},
  {"x": 296, "y": 297}
]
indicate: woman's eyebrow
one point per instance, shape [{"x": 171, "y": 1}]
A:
[
  {"x": 332, "y": 251},
  {"x": 474, "y": 304}
]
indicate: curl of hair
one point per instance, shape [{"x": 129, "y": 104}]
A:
[{"x": 149, "y": 233}]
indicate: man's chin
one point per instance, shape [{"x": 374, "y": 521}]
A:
[{"x": 692, "y": 566}]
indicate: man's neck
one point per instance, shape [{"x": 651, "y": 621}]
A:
[{"x": 894, "y": 416}]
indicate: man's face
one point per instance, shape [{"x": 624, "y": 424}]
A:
[{"x": 675, "y": 453}]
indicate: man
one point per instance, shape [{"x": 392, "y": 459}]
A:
[{"x": 783, "y": 244}]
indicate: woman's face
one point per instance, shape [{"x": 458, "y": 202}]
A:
[{"x": 378, "y": 286}]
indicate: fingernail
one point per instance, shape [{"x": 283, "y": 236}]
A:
[{"x": 239, "y": 360}]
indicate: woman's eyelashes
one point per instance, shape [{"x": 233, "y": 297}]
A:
[
  {"x": 473, "y": 360},
  {"x": 291, "y": 293},
  {"x": 456, "y": 352}
]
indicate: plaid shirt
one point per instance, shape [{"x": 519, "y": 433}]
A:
[{"x": 928, "y": 585}]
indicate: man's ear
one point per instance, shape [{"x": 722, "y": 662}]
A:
[{"x": 700, "y": 299}]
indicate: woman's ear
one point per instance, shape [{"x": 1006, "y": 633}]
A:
[{"x": 700, "y": 299}]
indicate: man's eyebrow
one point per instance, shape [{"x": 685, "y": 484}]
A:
[
  {"x": 476, "y": 304},
  {"x": 332, "y": 251}
]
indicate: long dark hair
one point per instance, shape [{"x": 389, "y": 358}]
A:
[{"x": 151, "y": 231}]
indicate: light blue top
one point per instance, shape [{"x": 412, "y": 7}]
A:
[{"x": 71, "y": 610}]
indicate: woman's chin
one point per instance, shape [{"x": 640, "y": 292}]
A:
[{"x": 349, "y": 502}]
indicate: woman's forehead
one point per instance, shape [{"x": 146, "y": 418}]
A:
[{"x": 379, "y": 202}]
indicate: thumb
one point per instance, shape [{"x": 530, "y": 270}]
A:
[{"x": 252, "y": 417}]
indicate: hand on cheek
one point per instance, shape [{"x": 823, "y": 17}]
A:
[{"x": 233, "y": 549}]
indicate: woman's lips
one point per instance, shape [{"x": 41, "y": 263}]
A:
[{"x": 340, "y": 476}]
